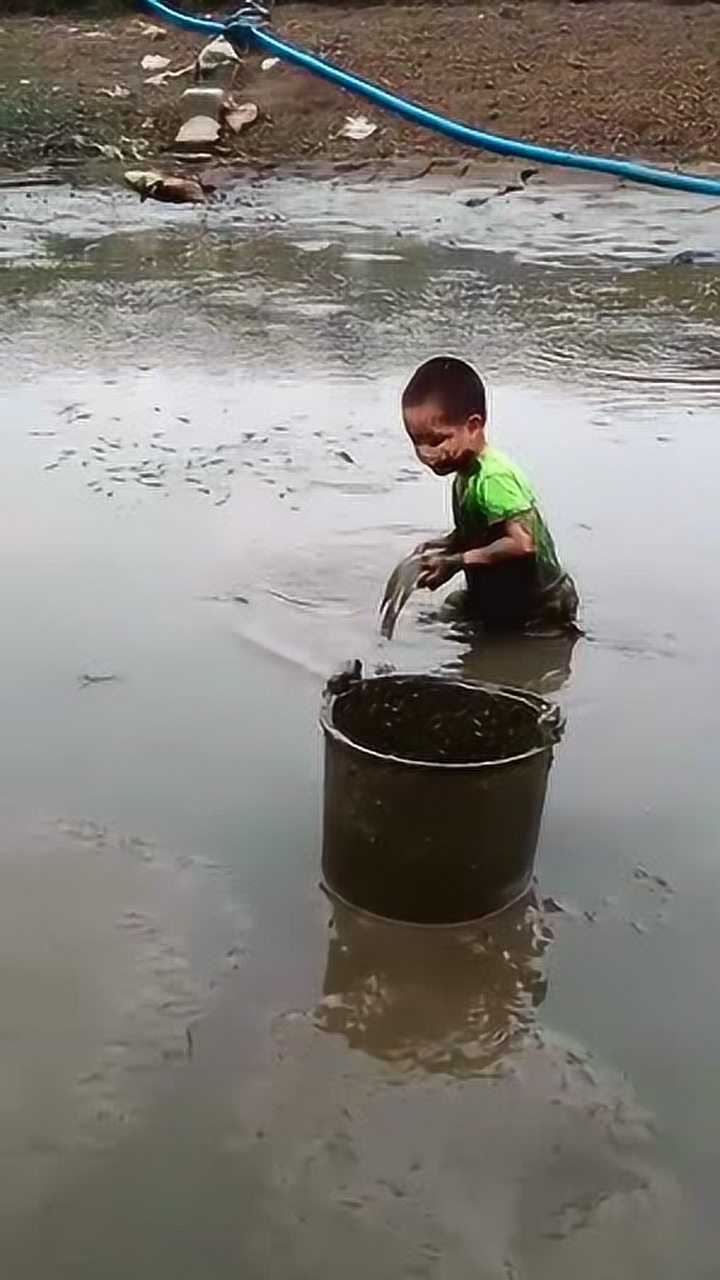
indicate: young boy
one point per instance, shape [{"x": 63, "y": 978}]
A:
[{"x": 500, "y": 539}]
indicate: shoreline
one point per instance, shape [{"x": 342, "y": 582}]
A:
[{"x": 490, "y": 177}]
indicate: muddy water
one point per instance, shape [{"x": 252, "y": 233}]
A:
[{"x": 204, "y": 1069}]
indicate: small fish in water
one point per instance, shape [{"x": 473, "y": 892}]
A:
[
  {"x": 400, "y": 586},
  {"x": 158, "y": 186},
  {"x": 641, "y": 873}
]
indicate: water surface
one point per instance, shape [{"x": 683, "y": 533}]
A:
[{"x": 204, "y": 1067}]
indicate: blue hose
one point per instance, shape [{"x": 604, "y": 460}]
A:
[
  {"x": 244, "y": 31},
  {"x": 206, "y": 26}
]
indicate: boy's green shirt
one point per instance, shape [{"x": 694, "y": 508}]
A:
[{"x": 491, "y": 492}]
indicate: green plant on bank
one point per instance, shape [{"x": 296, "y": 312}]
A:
[
  {"x": 35, "y": 123},
  {"x": 30, "y": 109}
]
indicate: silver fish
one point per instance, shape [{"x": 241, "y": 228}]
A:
[{"x": 400, "y": 586}]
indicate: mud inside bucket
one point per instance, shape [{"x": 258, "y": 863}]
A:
[{"x": 434, "y": 791}]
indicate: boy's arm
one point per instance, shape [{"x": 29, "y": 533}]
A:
[
  {"x": 516, "y": 540},
  {"x": 444, "y": 545},
  {"x": 439, "y": 566}
]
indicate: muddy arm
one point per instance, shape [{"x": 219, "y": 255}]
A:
[
  {"x": 445, "y": 545},
  {"x": 517, "y": 540}
]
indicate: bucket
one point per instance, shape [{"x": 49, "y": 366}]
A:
[{"x": 434, "y": 792}]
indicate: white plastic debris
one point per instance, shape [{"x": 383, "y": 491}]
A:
[
  {"x": 238, "y": 118},
  {"x": 216, "y": 54},
  {"x": 198, "y": 131},
  {"x": 107, "y": 150},
  {"x": 154, "y": 62},
  {"x": 358, "y": 128},
  {"x": 117, "y": 91},
  {"x": 203, "y": 102},
  {"x": 163, "y": 77},
  {"x": 151, "y": 31},
  {"x": 267, "y": 64}
]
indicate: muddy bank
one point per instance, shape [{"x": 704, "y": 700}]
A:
[{"x": 546, "y": 71}]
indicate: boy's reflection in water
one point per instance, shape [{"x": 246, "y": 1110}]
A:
[{"x": 539, "y": 661}]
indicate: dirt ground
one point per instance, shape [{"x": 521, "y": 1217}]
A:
[{"x": 635, "y": 78}]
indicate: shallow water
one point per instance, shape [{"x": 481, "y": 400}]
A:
[{"x": 205, "y": 485}]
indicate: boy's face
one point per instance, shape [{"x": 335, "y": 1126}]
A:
[{"x": 443, "y": 446}]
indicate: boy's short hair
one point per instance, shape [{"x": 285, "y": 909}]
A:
[{"x": 453, "y": 383}]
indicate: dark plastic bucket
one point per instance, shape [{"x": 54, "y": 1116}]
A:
[{"x": 434, "y": 792}]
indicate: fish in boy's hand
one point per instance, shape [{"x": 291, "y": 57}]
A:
[{"x": 403, "y": 580}]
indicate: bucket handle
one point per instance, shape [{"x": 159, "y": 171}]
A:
[
  {"x": 553, "y": 719},
  {"x": 342, "y": 680}
]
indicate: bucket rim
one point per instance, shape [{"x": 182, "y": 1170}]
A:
[
  {"x": 554, "y": 716},
  {"x": 394, "y": 922}
]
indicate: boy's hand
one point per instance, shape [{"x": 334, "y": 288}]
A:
[
  {"x": 438, "y": 569},
  {"x": 438, "y": 545}
]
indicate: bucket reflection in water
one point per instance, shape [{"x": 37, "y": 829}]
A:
[{"x": 439, "y": 1000}]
